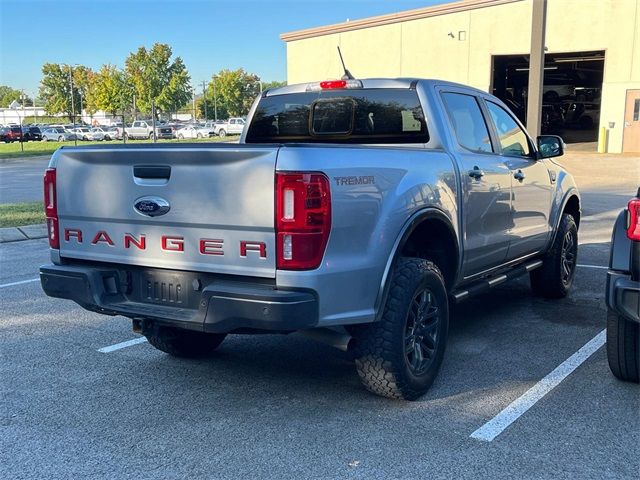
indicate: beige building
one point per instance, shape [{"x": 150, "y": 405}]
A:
[{"x": 592, "y": 63}]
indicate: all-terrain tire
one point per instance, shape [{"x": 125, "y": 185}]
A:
[
  {"x": 184, "y": 343},
  {"x": 382, "y": 353},
  {"x": 623, "y": 347},
  {"x": 555, "y": 277}
]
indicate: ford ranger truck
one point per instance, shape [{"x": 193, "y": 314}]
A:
[{"x": 352, "y": 211}]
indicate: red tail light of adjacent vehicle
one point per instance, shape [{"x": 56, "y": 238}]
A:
[
  {"x": 633, "y": 229},
  {"x": 51, "y": 207},
  {"x": 303, "y": 220}
]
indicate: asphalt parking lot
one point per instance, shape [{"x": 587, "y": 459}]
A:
[{"x": 286, "y": 407}]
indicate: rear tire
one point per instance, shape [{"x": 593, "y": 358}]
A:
[
  {"x": 184, "y": 343},
  {"x": 222, "y": 133},
  {"x": 61, "y": 138},
  {"x": 400, "y": 356},
  {"x": 623, "y": 347},
  {"x": 555, "y": 277}
]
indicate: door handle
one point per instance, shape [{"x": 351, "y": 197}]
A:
[
  {"x": 476, "y": 173},
  {"x": 519, "y": 175}
]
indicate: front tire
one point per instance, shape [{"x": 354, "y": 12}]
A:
[
  {"x": 184, "y": 343},
  {"x": 400, "y": 356},
  {"x": 623, "y": 347},
  {"x": 555, "y": 277}
]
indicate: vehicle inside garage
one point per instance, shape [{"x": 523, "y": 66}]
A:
[{"x": 571, "y": 91}]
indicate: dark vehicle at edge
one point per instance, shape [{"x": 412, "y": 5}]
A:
[{"x": 623, "y": 293}]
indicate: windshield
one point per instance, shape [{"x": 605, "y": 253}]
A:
[{"x": 340, "y": 116}]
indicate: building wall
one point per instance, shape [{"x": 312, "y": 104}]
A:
[{"x": 425, "y": 48}]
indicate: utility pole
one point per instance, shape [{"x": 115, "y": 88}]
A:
[
  {"x": 193, "y": 100},
  {"x": 73, "y": 107},
  {"x": 204, "y": 99},
  {"x": 536, "y": 66},
  {"x": 215, "y": 100}
]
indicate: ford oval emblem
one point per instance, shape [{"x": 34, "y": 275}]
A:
[{"x": 151, "y": 206}]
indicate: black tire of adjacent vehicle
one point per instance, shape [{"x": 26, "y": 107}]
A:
[
  {"x": 380, "y": 350},
  {"x": 184, "y": 343},
  {"x": 623, "y": 347},
  {"x": 547, "y": 281}
]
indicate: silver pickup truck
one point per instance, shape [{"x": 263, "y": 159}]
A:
[{"x": 352, "y": 211}]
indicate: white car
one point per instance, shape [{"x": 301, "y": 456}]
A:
[
  {"x": 84, "y": 133},
  {"x": 98, "y": 134},
  {"x": 194, "y": 131}
]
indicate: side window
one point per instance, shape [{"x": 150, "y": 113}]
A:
[
  {"x": 513, "y": 140},
  {"x": 232, "y": 121},
  {"x": 136, "y": 124},
  {"x": 468, "y": 122}
]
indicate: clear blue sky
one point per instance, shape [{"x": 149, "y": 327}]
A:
[{"x": 207, "y": 34}]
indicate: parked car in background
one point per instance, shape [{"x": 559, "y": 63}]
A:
[
  {"x": 11, "y": 134},
  {"x": 84, "y": 133},
  {"x": 57, "y": 134},
  {"x": 233, "y": 126},
  {"x": 111, "y": 133},
  {"x": 97, "y": 134},
  {"x": 623, "y": 294},
  {"x": 141, "y": 129},
  {"x": 31, "y": 134},
  {"x": 194, "y": 131}
]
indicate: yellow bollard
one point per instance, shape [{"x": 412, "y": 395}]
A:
[{"x": 602, "y": 140}]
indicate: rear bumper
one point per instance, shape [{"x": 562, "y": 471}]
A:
[
  {"x": 623, "y": 295},
  {"x": 219, "y": 305}
]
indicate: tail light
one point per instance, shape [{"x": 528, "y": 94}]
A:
[
  {"x": 51, "y": 207},
  {"x": 633, "y": 228},
  {"x": 303, "y": 219}
]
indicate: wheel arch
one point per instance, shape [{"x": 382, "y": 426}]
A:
[
  {"x": 570, "y": 204},
  {"x": 416, "y": 239}
]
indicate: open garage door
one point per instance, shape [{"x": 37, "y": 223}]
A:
[{"x": 571, "y": 92}]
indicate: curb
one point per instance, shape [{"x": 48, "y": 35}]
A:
[{"x": 24, "y": 232}]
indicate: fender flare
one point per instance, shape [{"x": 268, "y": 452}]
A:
[
  {"x": 572, "y": 192},
  {"x": 407, "y": 229}
]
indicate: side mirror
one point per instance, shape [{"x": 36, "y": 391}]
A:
[{"x": 550, "y": 146}]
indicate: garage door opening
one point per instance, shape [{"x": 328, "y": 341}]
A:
[{"x": 572, "y": 91}]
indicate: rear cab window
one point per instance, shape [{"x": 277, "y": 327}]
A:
[{"x": 369, "y": 116}]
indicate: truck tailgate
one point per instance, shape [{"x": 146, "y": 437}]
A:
[{"x": 220, "y": 198}]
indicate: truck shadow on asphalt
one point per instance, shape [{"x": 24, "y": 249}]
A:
[{"x": 501, "y": 339}]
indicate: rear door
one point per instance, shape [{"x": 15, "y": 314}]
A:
[
  {"x": 220, "y": 203},
  {"x": 530, "y": 184},
  {"x": 486, "y": 184}
]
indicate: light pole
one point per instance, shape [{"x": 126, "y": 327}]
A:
[
  {"x": 204, "y": 99},
  {"x": 215, "y": 99},
  {"x": 73, "y": 108}
]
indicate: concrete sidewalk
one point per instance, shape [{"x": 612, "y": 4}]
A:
[{"x": 25, "y": 232}]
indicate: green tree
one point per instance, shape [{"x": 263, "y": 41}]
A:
[
  {"x": 273, "y": 84},
  {"x": 235, "y": 91},
  {"x": 55, "y": 89},
  {"x": 84, "y": 82},
  {"x": 9, "y": 95},
  {"x": 156, "y": 78},
  {"x": 112, "y": 92}
]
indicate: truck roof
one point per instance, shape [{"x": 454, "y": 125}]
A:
[{"x": 402, "y": 82}]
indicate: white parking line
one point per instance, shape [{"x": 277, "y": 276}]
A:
[
  {"x": 118, "y": 346},
  {"x": 515, "y": 409},
  {"x": 19, "y": 283},
  {"x": 600, "y": 267}
]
